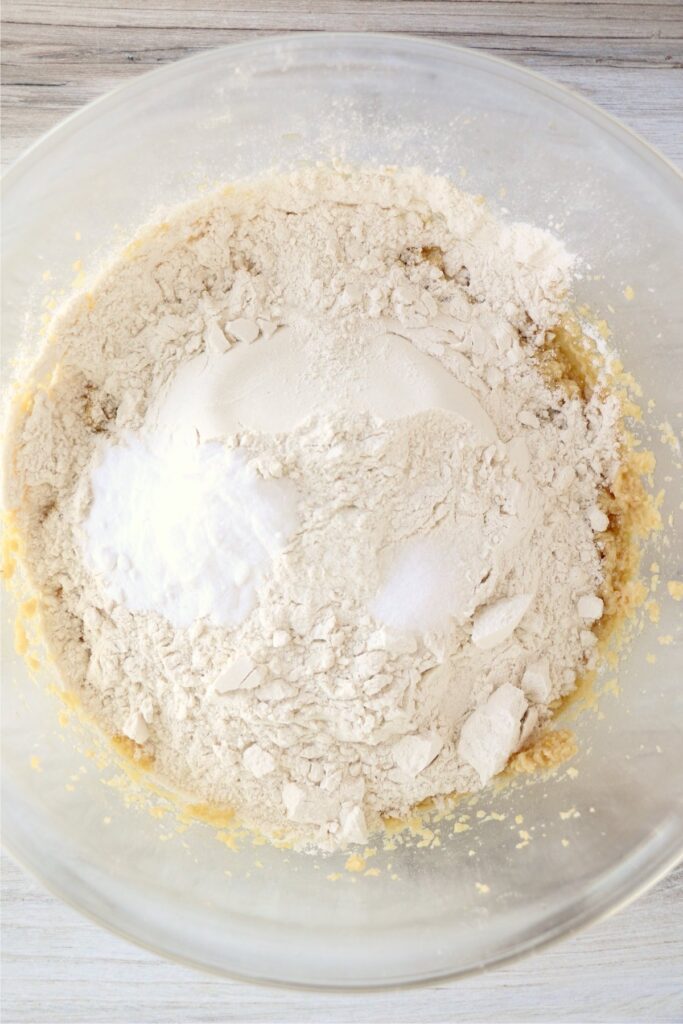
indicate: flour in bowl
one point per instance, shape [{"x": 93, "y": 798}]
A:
[{"x": 308, "y": 522}]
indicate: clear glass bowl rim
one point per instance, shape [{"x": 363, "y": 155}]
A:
[{"x": 324, "y": 42}]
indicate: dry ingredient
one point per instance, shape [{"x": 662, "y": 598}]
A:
[{"x": 309, "y": 524}]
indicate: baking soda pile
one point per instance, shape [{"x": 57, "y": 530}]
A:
[{"x": 308, "y": 523}]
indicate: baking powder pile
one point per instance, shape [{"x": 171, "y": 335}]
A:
[{"x": 309, "y": 525}]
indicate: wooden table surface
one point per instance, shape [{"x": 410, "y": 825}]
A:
[{"x": 59, "y": 54}]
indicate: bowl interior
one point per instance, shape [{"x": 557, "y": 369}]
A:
[{"x": 454, "y": 901}]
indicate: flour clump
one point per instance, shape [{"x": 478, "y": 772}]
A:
[{"x": 309, "y": 524}]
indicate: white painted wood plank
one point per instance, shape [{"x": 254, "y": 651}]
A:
[
  {"x": 59, "y": 968},
  {"x": 627, "y": 56}
]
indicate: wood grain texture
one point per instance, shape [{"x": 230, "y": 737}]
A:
[{"x": 625, "y": 55}]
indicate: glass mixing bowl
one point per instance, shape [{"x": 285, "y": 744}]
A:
[{"x": 597, "y": 836}]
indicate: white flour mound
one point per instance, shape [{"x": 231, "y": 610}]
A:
[{"x": 309, "y": 524}]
